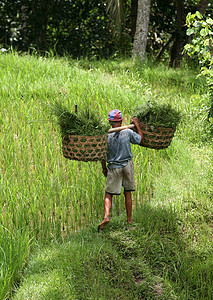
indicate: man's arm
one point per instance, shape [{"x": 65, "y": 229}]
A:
[
  {"x": 139, "y": 131},
  {"x": 104, "y": 167}
]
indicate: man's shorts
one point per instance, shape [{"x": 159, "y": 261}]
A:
[{"x": 116, "y": 178}]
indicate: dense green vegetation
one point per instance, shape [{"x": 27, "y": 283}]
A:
[
  {"x": 158, "y": 115},
  {"x": 87, "y": 28},
  {"x": 85, "y": 122},
  {"x": 77, "y": 27},
  {"x": 50, "y": 206},
  {"x": 201, "y": 33}
]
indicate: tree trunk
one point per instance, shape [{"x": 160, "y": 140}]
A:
[
  {"x": 40, "y": 10},
  {"x": 177, "y": 47},
  {"x": 134, "y": 11},
  {"x": 202, "y": 6},
  {"x": 142, "y": 26},
  {"x": 24, "y": 26},
  {"x": 44, "y": 22}
]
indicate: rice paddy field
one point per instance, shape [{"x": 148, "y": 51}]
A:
[{"x": 47, "y": 199}]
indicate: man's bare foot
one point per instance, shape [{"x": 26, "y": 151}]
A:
[
  {"x": 131, "y": 222},
  {"x": 103, "y": 224},
  {"x": 131, "y": 225}
]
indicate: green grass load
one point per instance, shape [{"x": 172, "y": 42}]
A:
[
  {"x": 158, "y": 115},
  {"x": 86, "y": 122}
]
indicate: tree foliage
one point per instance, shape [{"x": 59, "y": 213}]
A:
[
  {"x": 77, "y": 27},
  {"x": 201, "y": 46},
  {"x": 93, "y": 27},
  {"x": 164, "y": 28},
  {"x": 201, "y": 31}
]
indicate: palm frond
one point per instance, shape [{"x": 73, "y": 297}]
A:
[{"x": 115, "y": 8}]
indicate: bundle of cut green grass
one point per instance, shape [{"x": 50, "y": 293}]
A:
[
  {"x": 158, "y": 115},
  {"x": 84, "y": 136},
  {"x": 85, "y": 122},
  {"x": 158, "y": 123}
]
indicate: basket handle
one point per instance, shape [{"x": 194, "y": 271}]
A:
[{"x": 116, "y": 129}]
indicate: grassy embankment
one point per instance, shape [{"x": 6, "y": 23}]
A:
[{"x": 47, "y": 199}]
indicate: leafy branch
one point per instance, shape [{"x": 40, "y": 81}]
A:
[{"x": 201, "y": 30}]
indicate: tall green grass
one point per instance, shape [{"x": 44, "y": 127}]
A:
[
  {"x": 14, "y": 252},
  {"x": 50, "y": 192},
  {"x": 52, "y": 197}
]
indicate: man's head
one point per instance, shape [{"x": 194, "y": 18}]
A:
[{"x": 115, "y": 117}]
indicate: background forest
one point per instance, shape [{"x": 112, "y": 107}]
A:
[{"x": 95, "y": 28}]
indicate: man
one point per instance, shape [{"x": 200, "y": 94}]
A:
[{"x": 120, "y": 171}]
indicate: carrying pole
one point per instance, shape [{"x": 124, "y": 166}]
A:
[{"x": 117, "y": 129}]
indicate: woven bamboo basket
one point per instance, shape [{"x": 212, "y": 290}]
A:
[
  {"x": 84, "y": 148},
  {"x": 156, "y": 137}
]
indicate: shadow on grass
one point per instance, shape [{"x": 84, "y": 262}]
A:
[
  {"x": 160, "y": 257},
  {"x": 147, "y": 260}
]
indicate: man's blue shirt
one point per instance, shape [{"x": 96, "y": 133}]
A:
[{"x": 119, "y": 148}]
